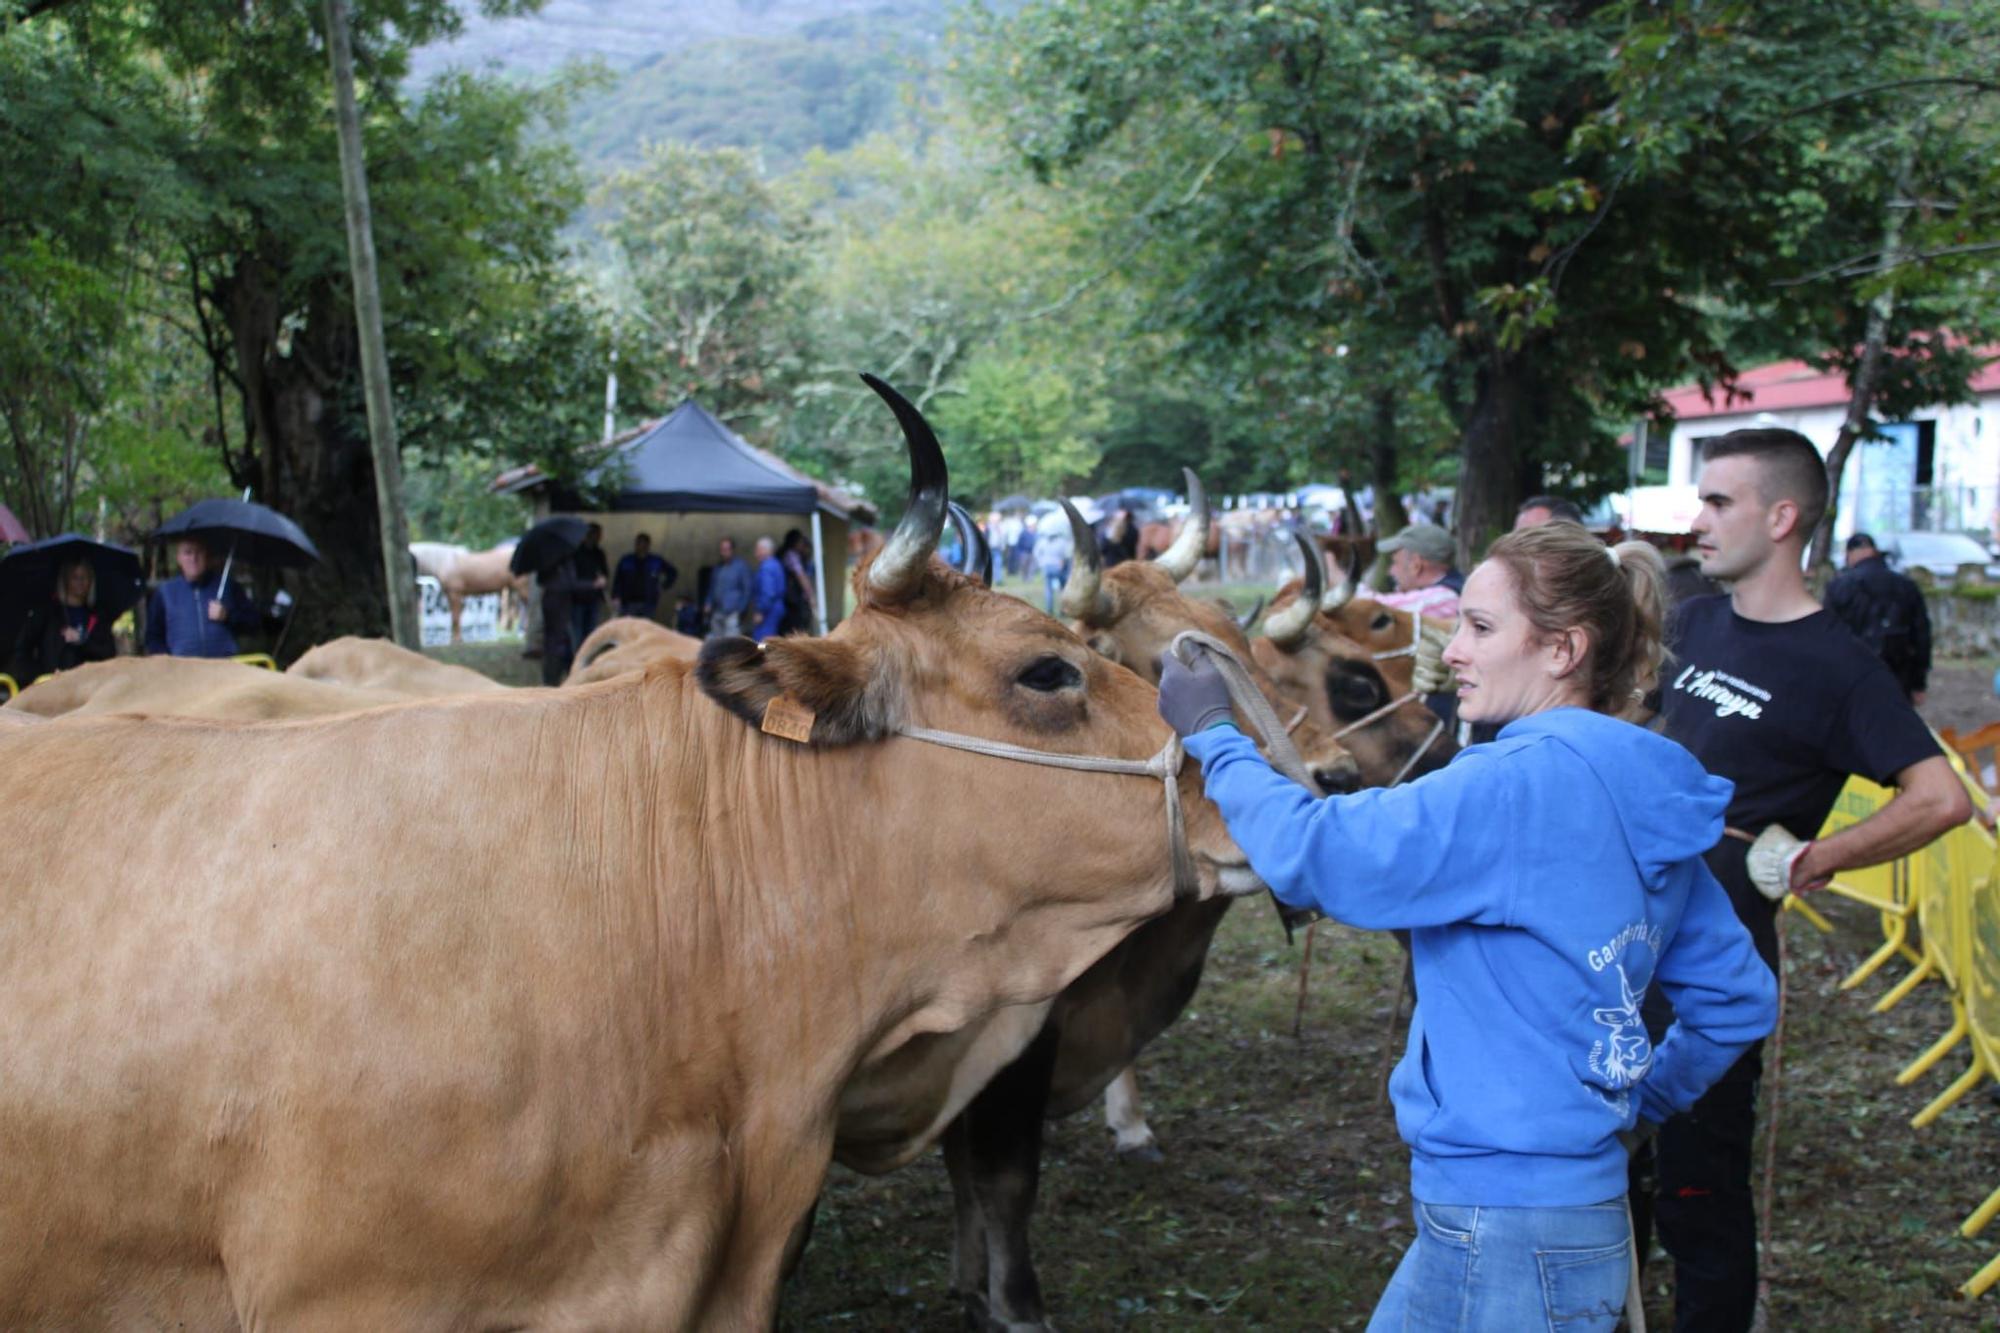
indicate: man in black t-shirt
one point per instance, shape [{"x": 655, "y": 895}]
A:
[{"x": 1775, "y": 694}]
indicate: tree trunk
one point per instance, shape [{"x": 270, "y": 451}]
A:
[
  {"x": 1867, "y": 374},
  {"x": 1390, "y": 517},
  {"x": 1488, "y": 465},
  {"x": 385, "y": 464},
  {"x": 301, "y": 409}
]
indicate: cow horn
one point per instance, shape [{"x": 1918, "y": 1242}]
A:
[
  {"x": 1343, "y": 592},
  {"x": 1083, "y": 595},
  {"x": 1191, "y": 545},
  {"x": 1287, "y": 628},
  {"x": 1249, "y": 618},
  {"x": 977, "y": 557},
  {"x": 899, "y": 567}
]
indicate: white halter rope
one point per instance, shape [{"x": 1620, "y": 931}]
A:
[
  {"x": 1164, "y": 765},
  {"x": 1407, "y": 650}
]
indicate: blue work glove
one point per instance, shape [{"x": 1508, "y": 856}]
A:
[{"x": 1193, "y": 698}]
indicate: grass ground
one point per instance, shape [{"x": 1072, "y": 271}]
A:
[{"x": 1283, "y": 1202}]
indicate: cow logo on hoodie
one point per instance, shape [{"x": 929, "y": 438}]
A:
[{"x": 1624, "y": 1055}]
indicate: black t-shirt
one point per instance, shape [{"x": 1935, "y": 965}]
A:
[{"x": 1785, "y": 711}]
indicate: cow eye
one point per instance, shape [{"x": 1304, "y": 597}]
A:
[
  {"x": 1383, "y": 620},
  {"x": 1049, "y": 674}
]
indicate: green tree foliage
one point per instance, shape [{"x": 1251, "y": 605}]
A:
[
  {"x": 1456, "y": 189},
  {"x": 710, "y": 262},
  {"x": 1893, "y": 210},
  {"x": 199, "y": 180}
]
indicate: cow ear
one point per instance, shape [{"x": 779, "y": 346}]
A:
[{"x": 848, "y": 700}]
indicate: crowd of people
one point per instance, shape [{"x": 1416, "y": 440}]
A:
[{"x": 771, "y": 593}]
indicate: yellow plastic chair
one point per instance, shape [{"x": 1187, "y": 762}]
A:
[
  {"x": 1886, "y": 888},
  {"x": 264, "y": 660},
  {"x": 1980, "y": 993},
  {"x": 1944, "y": 912},
  {"x": 7, "y": 683},
  {"x": 1982, "y": 999}
]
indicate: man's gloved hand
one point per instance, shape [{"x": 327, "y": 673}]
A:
[
  {"x": 1771, "y": 859},
  {"x": 1193, "y": 698},
  {"x": 1430, "y": 675}
]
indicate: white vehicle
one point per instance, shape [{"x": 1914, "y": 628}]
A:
[{"x": 1945, "y": 555}]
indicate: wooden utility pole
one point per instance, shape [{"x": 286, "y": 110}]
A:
[{"x": 400, "y": 586}]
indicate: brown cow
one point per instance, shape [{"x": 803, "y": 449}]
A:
[
  {"x": 627, "y": 643},
  {"x": 192, "y": 687},
  {"x": 1343, "y": 659},
  {"x": 379, "y": 1068},
  {"x": 1101, "y": 1021},
  {"x": 378, "y": 664}
]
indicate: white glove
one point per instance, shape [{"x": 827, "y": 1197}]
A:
[
  {"x": 1430, "y": 675},
  {"x": 1771, "y": 859}
]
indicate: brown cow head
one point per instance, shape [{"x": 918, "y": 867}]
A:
[
  {"x": 1131, "y": 613},
  {"x": 928, "y": 646},
  {"x": 1320, "y": 648}
]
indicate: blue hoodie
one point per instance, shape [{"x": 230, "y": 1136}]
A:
[{"x": 1546, "y": 879}]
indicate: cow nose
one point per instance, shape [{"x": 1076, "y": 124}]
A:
[{"x": 1339, "y": 778}]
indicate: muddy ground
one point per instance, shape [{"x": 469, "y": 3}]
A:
[{"x": 1283, "y": 1202}]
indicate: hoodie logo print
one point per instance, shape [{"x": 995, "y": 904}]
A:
[{"x": 1623, "y": 1057}]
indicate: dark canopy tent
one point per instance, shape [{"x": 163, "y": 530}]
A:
[{"x": 690, "y": 463}]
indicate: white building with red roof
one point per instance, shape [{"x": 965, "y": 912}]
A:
[{"x": 1937, "y": 471}]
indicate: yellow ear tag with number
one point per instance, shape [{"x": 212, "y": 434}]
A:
[{"x": 788, "y": 719}]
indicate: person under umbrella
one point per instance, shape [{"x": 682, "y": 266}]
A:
[
  {"x": 58, "y": 599},
  {"x": 199, "y": 611},
  {"x": 548, "y": 551}
]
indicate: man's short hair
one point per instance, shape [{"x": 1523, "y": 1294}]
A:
[
  {"x": 1788, "y": 467},
  {"x": 642, "y": 537},
  {"x": 1860, "y": 541},
  {"x": 1559, "y": 508}
]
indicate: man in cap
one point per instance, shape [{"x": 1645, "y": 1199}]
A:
[{"x": 1420, "y": 566}]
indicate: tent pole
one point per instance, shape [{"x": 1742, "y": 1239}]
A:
[{"x": 819, "y": 573}]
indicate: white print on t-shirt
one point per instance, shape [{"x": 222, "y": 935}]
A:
[
  {"x": 1714, "y": 686},
  {"x": 1623, "y": 1058}
]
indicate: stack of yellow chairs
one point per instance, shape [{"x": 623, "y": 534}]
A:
[{"x": 1951, "y": 891}]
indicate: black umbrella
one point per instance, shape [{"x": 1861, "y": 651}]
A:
[
  {"x": 261, "y": 535},
  {"x": 28, "y": 578},
  {"x": 547, "y": 544}
]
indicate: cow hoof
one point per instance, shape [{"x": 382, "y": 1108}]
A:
[{"x": 1146, "y": 1153}]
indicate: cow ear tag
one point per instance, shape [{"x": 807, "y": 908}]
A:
[{"x": 788, "y": 719}]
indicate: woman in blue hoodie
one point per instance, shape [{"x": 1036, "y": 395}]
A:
[{"x": 1547, "y": 879}]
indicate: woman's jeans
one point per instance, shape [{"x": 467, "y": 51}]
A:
[{"x": 1505, "y": 1270}]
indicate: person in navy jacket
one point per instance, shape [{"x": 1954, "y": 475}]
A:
[
  {"x": 194, "y": 614},
  {"x": 1547, "y": 879}
]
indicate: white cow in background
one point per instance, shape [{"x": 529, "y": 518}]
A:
[{"x": 462, "y": 572}]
